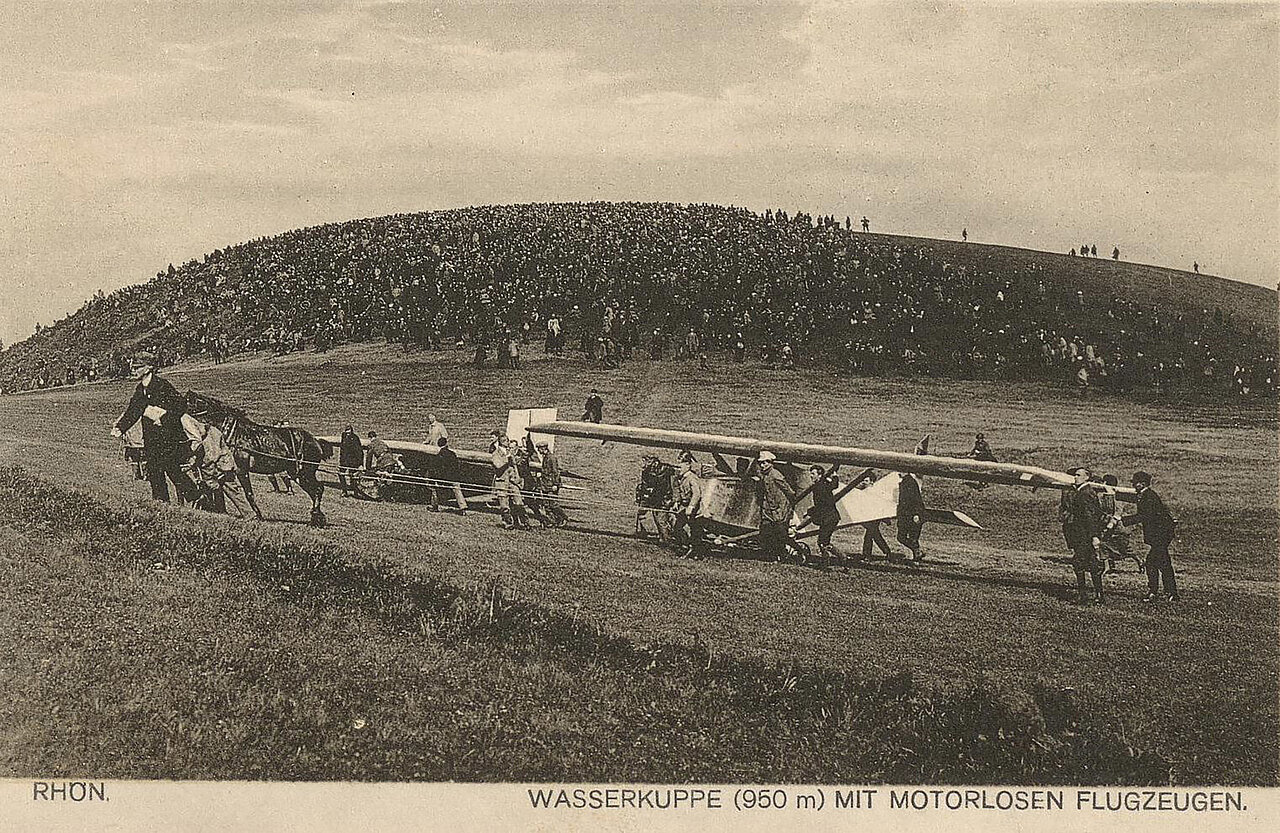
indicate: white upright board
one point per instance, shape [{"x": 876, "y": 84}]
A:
[{"x": 519, "y": 420}]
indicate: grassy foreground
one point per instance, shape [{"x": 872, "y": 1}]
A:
[{"x": 154, "y": 643}]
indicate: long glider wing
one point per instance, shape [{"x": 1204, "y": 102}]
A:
[{"x": 1011, "y": 474}]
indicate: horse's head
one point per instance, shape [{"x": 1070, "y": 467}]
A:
[{"x": 210, "y": 410}]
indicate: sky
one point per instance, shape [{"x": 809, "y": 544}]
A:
[{"x": 138, "y": 134}]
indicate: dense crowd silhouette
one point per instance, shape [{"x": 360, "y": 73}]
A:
[{"x": 654, "y": 280}]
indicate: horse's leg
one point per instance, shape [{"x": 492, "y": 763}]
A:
[
  {"x": 306, "y": 474},
  {"x": 242, "y": 475}
]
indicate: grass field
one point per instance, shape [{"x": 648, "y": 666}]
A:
[{"x": 1190, "y": 689}]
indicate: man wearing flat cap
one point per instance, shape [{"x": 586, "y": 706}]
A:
[
  {"x": 1158, "y": 526},
  {"x": 777, "y": 502},
  {"x": 1082, "y": 525},
  {"x": 686, "y": 523},
  {"x": 164, "y": 442}
]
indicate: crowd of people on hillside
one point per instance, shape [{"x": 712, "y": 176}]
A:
[{"x": 617, "y": 281}]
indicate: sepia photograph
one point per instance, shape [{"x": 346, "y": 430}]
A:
[{"x": 771, "y": 410}]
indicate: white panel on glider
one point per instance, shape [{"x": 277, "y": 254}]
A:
[
  {"x": 877, "y": 502},
  {"x": 519, "y": 420}
]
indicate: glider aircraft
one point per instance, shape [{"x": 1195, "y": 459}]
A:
[
  {"x": 731, "y": 505},
  {"x": 472, "y": 469}
]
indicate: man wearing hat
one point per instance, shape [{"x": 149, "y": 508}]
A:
[
  {"x": 654, "y": 495},
  {"x": 1157, "y": 531},
  {"x": 164, "y": 442},
  {"x": 1082, "y": 525},
  {"x": 549, "y": 482},
  {"x": 688, "y": 502},
  {"x": 777, "y": 501},
  {"x": 593, "y": 410}
]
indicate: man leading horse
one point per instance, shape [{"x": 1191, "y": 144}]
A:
[
  {"x": 164, "y": 444},
  {"x": 257, "y": 449}
]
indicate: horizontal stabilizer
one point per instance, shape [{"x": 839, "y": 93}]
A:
[{"x": 951, "y": 517}]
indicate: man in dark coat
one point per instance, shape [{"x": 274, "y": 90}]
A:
[
  {"x": 350, "y": 459},
  {"x": 448, "y": 472},
  {"x": 824, "y": 514},
  {"x": 654, "y": 496},
  {"x": 1157, "y": 531},
  {"x": 910, "y": 515},
  {"x": 549, "y": 482},
  {"x": 593, "y": 410},
  {"x": 164, "y": 442},
  {"x": 1082, "y": 525}
]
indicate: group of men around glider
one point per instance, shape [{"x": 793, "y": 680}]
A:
[
  {"x": 520, "y": 488},
  {"x": 198, "y": 461}
]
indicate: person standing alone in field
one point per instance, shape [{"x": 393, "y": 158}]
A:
[
  {"x": 593, "y": 410},
  {"x": 1158, "y": 526}
]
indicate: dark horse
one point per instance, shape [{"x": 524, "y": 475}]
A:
[{"x": 263, "y": 449}]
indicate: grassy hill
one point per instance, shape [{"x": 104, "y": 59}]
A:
[
  {"x": 1177, "y": 290},
  {"x": 877, "y": 304}
]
